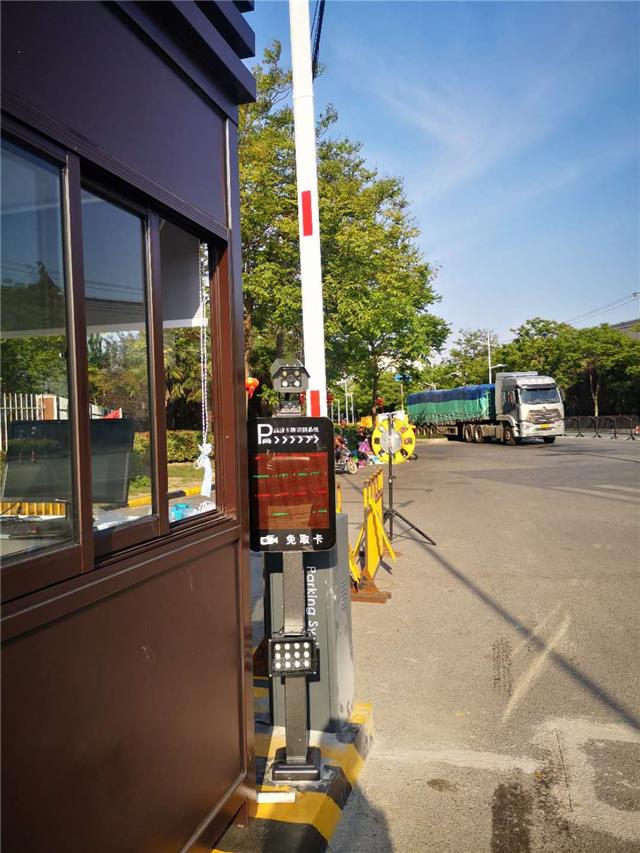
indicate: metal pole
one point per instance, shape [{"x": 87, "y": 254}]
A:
[
  {"x": 390, "y": 451},
  {"x": 308, "y": 215},
  {"x": 489, "y": 352},
  {"x": 346, "y": 400},
  {"x": 296, "y": 762},
  {"x": 402, "y": 393},
  {"x": 295, "y": 689}
]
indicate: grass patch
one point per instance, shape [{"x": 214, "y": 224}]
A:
[{"x": 182, "y": 475}]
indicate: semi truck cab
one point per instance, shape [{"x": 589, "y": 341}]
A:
[{"x": 528, "y": 406}]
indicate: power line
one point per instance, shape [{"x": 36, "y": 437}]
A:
[{"x": 603, "y": 309}]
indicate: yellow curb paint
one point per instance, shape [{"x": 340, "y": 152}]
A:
[
  {"x": 312, "y": 808},
  {"x": 145, "y": 500},
  {"x": 349, "y": 760},
  {"x": 318, "y": 810},
  {"x": 362, "y": 715}
]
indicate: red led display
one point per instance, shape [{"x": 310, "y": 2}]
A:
[
  {"x": 291, "y": 490},
  {"x": 291, "y": 484}
]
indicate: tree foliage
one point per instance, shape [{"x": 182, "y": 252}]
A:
[
  {"x": 378, "y": 289},
  {"x": 597, "y": 367}
]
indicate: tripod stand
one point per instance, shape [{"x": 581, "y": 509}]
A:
[{"x": 390, "y": 512}]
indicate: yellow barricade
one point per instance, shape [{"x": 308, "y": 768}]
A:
[
  {"x": 32, "y": 508},
  {"x": 372, "y": 542}
]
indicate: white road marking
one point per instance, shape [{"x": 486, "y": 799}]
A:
[
  {"x": 592, "y": 493},
  {"x": 537, "y": 631},
  {"x": 497, "y": 761},
  {"x": 532, "y": 674}
]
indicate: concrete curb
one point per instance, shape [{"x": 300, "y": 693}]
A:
[{"x": 306, "y": 824}]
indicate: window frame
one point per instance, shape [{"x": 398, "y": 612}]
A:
[
  {"x": 218, "y": 424},
  {"x": 133, "y": 533},
  {"x": 31, "y": 570},
  {"x": 92, "y": 550}
]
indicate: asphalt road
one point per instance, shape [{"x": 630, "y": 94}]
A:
[{"x": 504, "y": 672}]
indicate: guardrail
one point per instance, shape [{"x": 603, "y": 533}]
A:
[{"x": 614, "y": 426}]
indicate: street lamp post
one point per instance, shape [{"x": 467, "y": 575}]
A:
[{"x": 495, "y": 367}]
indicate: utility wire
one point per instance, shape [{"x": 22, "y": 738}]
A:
[{"x": 603, "y": 309}]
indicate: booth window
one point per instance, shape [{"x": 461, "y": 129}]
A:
[
  {"x": 186, "y": 310},
  {"x": 37, "y": 503},
  {"x": 118, "y": 362}
]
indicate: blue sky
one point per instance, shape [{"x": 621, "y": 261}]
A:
[{"x": 516, "y": 128}]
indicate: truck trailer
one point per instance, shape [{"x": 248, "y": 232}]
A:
[{"x": 519, "y": 405}]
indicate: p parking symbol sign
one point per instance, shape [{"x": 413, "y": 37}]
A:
[{"x": 291, "y": 484}]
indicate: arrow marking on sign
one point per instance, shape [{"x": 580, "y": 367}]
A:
[{"x": 276, "y": 439}]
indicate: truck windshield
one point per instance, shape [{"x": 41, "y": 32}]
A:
[{"x": 548, "y": 394}]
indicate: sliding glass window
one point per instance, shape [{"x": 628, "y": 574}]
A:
[
  {"x": 186, "y": 309},
  {"x": 37, "y": 501},
  {"x": 118, "y": 362}
]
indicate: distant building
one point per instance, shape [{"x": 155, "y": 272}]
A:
[{"x": 629, "y": 327}]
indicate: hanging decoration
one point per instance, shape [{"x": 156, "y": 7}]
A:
[
  {"x": 206, "y": 448},
  {"x": 250, "y": 385}
]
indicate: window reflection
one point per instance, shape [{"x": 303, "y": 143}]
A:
[
  {"x": 114, "y": 264},
  {"x": 37, "y": 502},
  {"x": 186, "y": 302}
]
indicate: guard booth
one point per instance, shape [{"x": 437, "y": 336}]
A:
[{"x": 127, "y": 717}]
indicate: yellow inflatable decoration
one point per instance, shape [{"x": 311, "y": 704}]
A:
[{"x": 401, "y": 441}]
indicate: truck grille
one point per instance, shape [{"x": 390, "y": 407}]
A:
[{"x": 544, "y": 416}]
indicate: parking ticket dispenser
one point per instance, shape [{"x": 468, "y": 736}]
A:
[
  {"x": 292, "y": 484},
  {"x": 292, "y": 511}
]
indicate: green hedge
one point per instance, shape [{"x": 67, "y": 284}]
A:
[{"x": 182, "y": 446}]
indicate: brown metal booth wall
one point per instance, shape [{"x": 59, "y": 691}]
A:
[{"x": 126, "y": 678}]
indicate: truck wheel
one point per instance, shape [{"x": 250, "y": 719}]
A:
[
  {"x": 467, "y": 432},
  {"x": 507, "y": 435},
  {"x": 548, "y": 439},
  {"x": 478, "y": 435}
]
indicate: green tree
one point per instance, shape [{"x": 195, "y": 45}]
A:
[
  {"x": 33, "y": 363},
  {"x": 606, "y": 360},
  {"x": 378, "y": 289},
  {"x": 541, "y": 345},
  {"x": 272, "y": 301},
  {"x": 469, "y": 356}
]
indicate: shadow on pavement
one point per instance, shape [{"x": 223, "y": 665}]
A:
[
  {"x": 574, "y": 672},
  {"x": 363, "y": 828}
]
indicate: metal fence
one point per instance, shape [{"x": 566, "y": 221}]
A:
[
  {"x": 604, "y": 426},
  {"x": 19, "y": 407}
]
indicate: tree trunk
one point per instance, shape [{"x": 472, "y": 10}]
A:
[
  {"x": 248, "y": 335},
  {"x": 280, "y": 344},
  {"x": 595, "y": 392},
  {"x": 374, "y": 397}
]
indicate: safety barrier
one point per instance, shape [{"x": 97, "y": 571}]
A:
[
  {"x": 32, "y": 508},
  {"x": 372, "y": 543},
  {"x": 615, "y": 426}
]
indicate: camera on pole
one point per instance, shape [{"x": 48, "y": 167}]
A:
[
  {"x": 292, "y": 511},
  {"x": 290, "y": 379}
]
